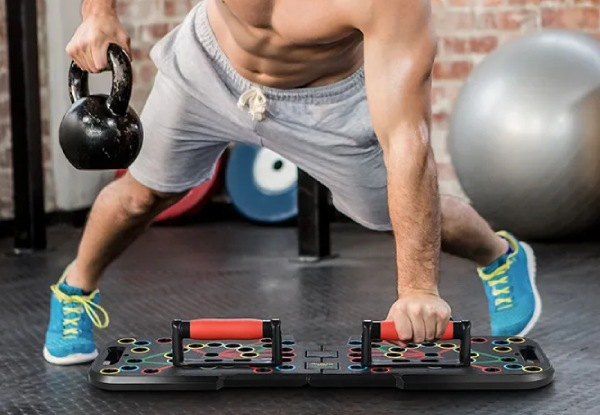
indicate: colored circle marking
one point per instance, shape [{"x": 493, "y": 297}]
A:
[
  {"x": 492, "y": 369},
  {"x": 249, "y": 355},
  {"x": 262, "y": 370},
  {"x": 447, "y": 346},
  {"x": 150, "y": 371},
  {"x": 232, "y": 345},
  {"x": 195, "y": 346},
  {"x": 380, "y": 369},
  {"x": 110, "y": 371},
  {"x": 215, "y": 345},
  {"x": 393, "y": 355},
  {"x": 126, "y": 340}
]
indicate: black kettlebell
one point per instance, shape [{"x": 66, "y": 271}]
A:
[{"x": 102, "y": 132}]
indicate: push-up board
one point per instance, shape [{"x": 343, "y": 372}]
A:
[{"x": 213, "y": 354}]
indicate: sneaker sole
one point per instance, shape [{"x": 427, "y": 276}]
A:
[
  {"x": 73, "y": 359},
  {"x": 532, "y": 268}
]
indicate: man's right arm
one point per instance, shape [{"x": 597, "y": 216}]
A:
[
  {"x": 98, "y": 7},
  {"x": 100, "y": 27}
]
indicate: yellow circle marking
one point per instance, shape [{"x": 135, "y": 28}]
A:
[
  {"x": 196, "y": 346},
  {"x": 109, "y": 371},
  {"x": 502, "y": 349},
  {"x": 396, "y": 355},
  {"x": 249, "y": 355},
  {"x": 126, "y": 340},
  {"x": 140, "y": 349},
  {"x": 516, "y": 340},
  {"x": 532, "y": 369},
  {"x": 447, "y": 346}
]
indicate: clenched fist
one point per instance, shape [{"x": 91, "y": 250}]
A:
[
  {"x": 419, "y": 316},
  {"x": 89, "y": 44}
]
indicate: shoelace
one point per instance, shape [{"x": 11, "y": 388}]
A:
[
  {"x": 90, "y": 308},
  {"x": 256, "y": 102},
  {"x": 496, "y": 278}
]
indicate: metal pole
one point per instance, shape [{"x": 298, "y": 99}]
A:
[
  {"x": 28, "y": 176},
  {"x": 313, "y": 219}
]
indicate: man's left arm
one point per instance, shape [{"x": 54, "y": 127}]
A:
[{"x": 399, "y": 52}]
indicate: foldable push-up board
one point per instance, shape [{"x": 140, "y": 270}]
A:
[{"x": 211, "y": 354}]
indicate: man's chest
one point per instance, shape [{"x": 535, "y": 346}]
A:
[{"x": 297, "y": 21}]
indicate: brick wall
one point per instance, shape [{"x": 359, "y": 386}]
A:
[
  {"x": 6, "y": 187},
  {"x": 468, "y": 29}
]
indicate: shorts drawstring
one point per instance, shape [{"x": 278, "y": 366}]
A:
[{"x": 255, "y": 102}]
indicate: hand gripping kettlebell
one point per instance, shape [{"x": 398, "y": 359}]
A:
[{"x": 101, "y": 132}]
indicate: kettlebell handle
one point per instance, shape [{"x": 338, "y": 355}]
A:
[{"x": 122, "y": 81}]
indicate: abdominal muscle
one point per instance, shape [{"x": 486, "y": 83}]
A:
[{"x": 268, "y": 47}]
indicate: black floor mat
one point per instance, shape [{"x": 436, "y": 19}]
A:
[{"x": 240, "y": 270}]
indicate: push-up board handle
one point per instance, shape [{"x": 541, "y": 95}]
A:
[
  {"x": 386, "y": 331},
  {"x": 218, "y": 329},
  {"x": 241, "y": 329}
]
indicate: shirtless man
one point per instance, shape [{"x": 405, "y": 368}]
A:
[{"x": 341, "y": 89}]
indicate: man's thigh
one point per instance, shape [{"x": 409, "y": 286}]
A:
[{"x": 183, "y": 139}]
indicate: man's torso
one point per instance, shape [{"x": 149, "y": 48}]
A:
[{"x": 287, "y": 43}]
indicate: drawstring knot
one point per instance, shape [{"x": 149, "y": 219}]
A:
[{"x": 255, "y": 102}]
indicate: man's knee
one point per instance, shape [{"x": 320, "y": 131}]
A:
[
  {"x": 453, "y": 206},
  {"x": 138, "y": 200},
  {"x": 454, "y": 212}
]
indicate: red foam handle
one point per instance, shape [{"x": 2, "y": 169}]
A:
[
  {"x": 388, "y": 331},
  {"x": 219, "y": 329}
]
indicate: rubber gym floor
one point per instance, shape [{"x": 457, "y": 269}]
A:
[{"x": 236, "y": 269}]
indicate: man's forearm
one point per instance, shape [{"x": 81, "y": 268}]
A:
[
  {"x": 89, "y": 7},
  {"x": 415, "y": 210}
]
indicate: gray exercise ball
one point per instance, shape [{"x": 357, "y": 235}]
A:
[{"x": 524, "y": 135}]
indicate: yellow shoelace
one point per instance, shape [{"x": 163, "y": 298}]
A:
[
  {"x": 499, "y": 277},
  {"x": 496, "y": 278},
  {"x": 85, "y": 304}
]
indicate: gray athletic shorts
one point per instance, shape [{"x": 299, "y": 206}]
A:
[{"x": 199, "y": 104}]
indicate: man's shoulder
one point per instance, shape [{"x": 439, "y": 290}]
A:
[{"x": 367, "y": 13}]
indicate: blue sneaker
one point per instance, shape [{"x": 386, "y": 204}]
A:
[
  {"x": 513, "y": 299},
  {"x": 70, "y": 337}
]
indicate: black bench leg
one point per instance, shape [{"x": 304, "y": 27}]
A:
[{"x": 314, "y": 243}]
